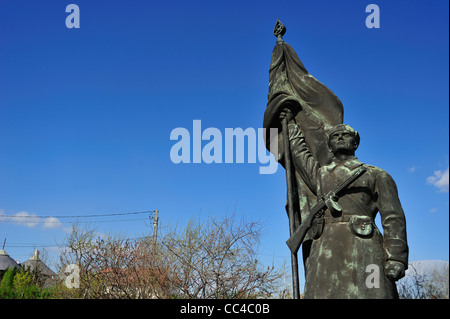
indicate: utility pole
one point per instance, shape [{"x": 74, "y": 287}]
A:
[{"x": 155, "y": 226}]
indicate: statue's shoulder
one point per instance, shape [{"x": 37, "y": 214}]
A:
[
  {"x": 372, "y": 168},
  {"x": 378, "y": 172}
]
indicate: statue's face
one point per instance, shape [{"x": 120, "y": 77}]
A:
[{"x": 343, "y": 142}]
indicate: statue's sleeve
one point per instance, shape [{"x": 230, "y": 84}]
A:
[
  {"x": 304, "y": 162},
  {"x": 392, "y": 218}
]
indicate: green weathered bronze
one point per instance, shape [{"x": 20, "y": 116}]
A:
[
  {"x": 329, "y": 201},
  {"x": 344, "y": 253}
]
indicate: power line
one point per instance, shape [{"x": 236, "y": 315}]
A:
[
  {"x": 71, "y": 222},
  {"x": 48, "y": 245},
  {"x": 75, "y": 216},
  {"x": 44, "y": 245},
  {"x": 33, "y": 245},
  {"x": 20, "y": 219}
]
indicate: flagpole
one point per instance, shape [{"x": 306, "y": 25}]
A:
[
  {"x": 279, "y": 31},
  {"x": 290, "y": 206}
]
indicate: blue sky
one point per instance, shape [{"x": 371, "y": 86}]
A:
[{"x": 86, "y": 114}]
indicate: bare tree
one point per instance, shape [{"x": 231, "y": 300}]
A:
[
  {"x": 212, "y": 259},
  {"x": 425, "y": 282},
  {"x": 114, "y": 266},
  {"x": 218, "y": 259}
]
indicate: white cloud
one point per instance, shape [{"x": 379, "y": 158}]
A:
[
  {"x": 26, "y": 219},
  {"x": 440, "y": 180},
  {"x": 51, "y": 222},
  {"x": 413, "y": 168}
]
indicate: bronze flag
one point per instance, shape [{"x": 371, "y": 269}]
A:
[{"x": 316, "y": 109}]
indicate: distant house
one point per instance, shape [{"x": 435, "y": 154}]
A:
[
  {"x": 6, "y": 262},
  {"x": 36, "y": 264}
]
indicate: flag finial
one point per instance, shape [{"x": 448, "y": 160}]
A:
[{"x": 279, "y": 31}]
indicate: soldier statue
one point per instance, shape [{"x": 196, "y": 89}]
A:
[{"x": 333, "y": 198}]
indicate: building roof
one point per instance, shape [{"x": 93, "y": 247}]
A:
[
  {"x": 35, "y": 263},
  {"x": 6, "y": 261}
]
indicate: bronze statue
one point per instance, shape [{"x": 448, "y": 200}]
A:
[{"x": 331, "y": 193}]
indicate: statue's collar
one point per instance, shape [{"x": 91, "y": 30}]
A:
[{"x": 350, "y": 163}]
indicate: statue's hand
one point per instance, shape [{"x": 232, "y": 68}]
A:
[
  {"x": 286, "y": 112},
  {"x": 394, "y": 270},
  {"x": 294, "y": 131}
]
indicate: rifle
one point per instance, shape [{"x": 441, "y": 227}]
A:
[{"x": 328, "y": 201}]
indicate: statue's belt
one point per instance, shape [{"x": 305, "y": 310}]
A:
[
  {"x": 328, "y": 220},
  {"x": 342, "y": 219},
  {"x": 360, "y": 225}
]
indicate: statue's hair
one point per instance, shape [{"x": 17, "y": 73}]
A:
[{"x": 343, "y": 127}]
